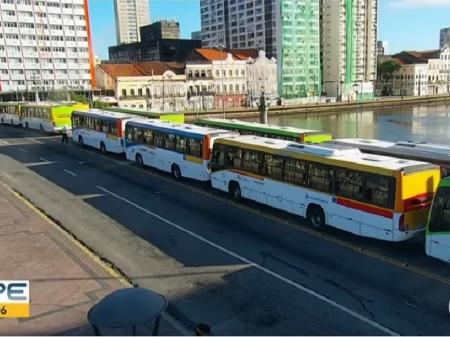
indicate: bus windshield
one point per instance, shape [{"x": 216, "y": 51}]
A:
[{"x": 440, "y": 214}]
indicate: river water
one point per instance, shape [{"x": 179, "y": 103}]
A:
[{"x": 421, "y": 123}]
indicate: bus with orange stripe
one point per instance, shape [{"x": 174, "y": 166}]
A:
[
  {"x": 368, "y": 195},
  {"x": 182, "y": 149}
]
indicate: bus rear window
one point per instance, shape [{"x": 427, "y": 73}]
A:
[{"x": 440, "y": 214}]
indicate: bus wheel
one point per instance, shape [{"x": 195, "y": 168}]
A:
[
  {"x": 316, "y": 217},
  {"x": 176, "y": 172},
  {"x": 139, "y": 160},
  {"x": 102, "y": 147},
  {"x": 80, "y": 141},
  {"x": 235, "y": 190}
]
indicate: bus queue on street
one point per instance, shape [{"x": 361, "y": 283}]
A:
[{"x": 338, "y": 185}]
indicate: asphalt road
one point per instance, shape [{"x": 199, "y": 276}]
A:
[{"x": 243, "y": 269}]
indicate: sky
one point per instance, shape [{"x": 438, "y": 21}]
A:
[{"x": 405, "y": 24}]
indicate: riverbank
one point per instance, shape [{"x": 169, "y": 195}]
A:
[{"x": 378, "y": 103}]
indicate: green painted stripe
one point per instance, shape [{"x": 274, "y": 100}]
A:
[{"x": 350, "y": 45}]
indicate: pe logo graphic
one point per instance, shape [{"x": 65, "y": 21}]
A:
[{"x": 14, "y": 299}]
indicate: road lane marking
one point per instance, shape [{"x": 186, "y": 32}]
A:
[
  {"x": 23, "y": 150},
  {"x": 38, "y": 163},
  {"x": 5, "y": 142},
  {"x": 359, "y": 249},
  {"x": 251, "y": 263},
  {"x": 70, "y": 172},
  {"x": 43, "y": 159}
]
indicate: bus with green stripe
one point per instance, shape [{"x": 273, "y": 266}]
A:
[
  {"x": 174, "y": 116},
  {"x": 9, "y": 113},
  {"x": 267, "y": 130},
  {"x": 49, "y": 117},
  {"x": 438, "y": 230}
]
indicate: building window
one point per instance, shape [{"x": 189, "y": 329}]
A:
[{"x": 124, "y": 92}]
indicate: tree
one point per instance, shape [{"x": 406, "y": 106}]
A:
[{"x": 385, "y": 72}]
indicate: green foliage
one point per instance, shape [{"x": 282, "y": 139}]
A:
[
  {"x": 100, "y": 105},
  {"x": 387, "y": 68}
]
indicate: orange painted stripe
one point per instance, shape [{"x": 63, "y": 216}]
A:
[
  {"x": 365, "y": 208},
  {"x": 90, "y": 46},
  {"x": 14, "y": 310},
  {"x": 247, "y": 174}
]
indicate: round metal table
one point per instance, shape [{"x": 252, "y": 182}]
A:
[{"x": 127, "y": 307}]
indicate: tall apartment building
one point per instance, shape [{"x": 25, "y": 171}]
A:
[
  {"x": 45, "y": 45},
  {"x": 349, "y": 47},
  {"x": 444, "y": 37},
  {"x": 286, "y": 29},
  {"x": 130, "y": 16}
]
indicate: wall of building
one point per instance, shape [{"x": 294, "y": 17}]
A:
[
  {"x": 130, "y": 15},
  {"x": 45, "y": 47}
]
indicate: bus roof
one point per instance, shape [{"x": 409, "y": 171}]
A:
[
  {"x": 142, "y": 112},
  {"x": 329, "y": 153},
  {"x": 49, "y": 104},
  {"x": 103, "y": 113},
  {"x": 421, "y": 150},
  {"x": 275, "y": 129},
  {"x": 178, "y": 127}
]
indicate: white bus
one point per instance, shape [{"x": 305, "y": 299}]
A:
[
  {"x": 10, "y": 113},
  {"x": 438, "y": 154},
  {"x": 103, "y": 130},
  {"x": 368, "y": 195},
  {"x": 182, "y": 149}
]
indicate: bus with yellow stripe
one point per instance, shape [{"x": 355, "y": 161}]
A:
[
  {"x": 368, "y": 195},
  {"x": 182, "y": 149}
]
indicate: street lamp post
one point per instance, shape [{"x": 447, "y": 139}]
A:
[
  {"x": 222, "y": 76},
  {"x": 355, "y": 89}
]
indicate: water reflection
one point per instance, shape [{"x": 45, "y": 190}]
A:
[{"x": 421, "y": 123}]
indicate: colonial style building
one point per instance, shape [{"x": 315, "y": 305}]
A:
[
  {"x": 216, "y": 78},
  {"x": 421, "y": 73},
  {"x": 159, "y": 86}
]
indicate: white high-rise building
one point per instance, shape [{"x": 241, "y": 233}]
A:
[
  {"x": 349, "y": 47},
  {"x": 45, "y": 45},
  {"x": 444, "y": 37},
  {"x": 130, "y": 16}
]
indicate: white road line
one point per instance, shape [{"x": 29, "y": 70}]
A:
[
  {"x": 23, "y": 150},
  {"x": 70, "y": 172},
  {"x": 33, "y": 140},
  {"x": 43, "y": 159},
  {"x": 265, "y": 270},
  {"x": 5, "y": 142}
]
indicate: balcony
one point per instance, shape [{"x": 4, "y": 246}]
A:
[
  {"x": 56, "y": 32},
  {"x": 4, "y": 77},
  {"x": 60, "y": 55},
  {"x": 11, "y": 42},
  {"x": 14, "y": 53},
  {"x": 82, "y": 33},
  {"x": 72, "y": 44},
  {"x": 72, "y": 55},
  {"x": 85, "y": 76},
  {"x": 68, "y": 32},
  {"x": 31, "y": 54},
  {"x": 54, "y": 10},
  {"x": 45, "y": 55},
  {"x": 72, "y": 65},
  {"x": 15, "y": 65},
  {"x": 67, "y": 10},
  {"x": 48, "y": 76},
  {"x": 11, "y": 30},
  {"x": 27, "y": 31},
  {"x": 78, "y": 11},
  {"x": 42, "y": 44},
  {"x": 27, "y": 19},
  {"x": 81, "y": 23},
  {"x": 54, "y": 21},
  {"x": 60, "y": 65},
  {"x": 24, "y": 8},
  {"x": 45, "y": 65},
  {"x": 68, "y": 22},
  {"x": 8, "y": 7},
  {"x": 58, "y": 44},
  {"x": 82, "y": 44},
  {"x": 31, "y": 65},
  {"x": 61, "y": 76},
  {"x": 17, "y": 76},
  {"x": 2, "y": 53}
]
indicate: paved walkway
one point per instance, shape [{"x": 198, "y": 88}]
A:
[{"x": 65, "y": 281}]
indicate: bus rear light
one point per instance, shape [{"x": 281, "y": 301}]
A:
[
  {"x": 401, "y": 223},
  {"x": 418, "y": 202}
]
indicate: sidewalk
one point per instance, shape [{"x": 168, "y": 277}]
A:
[{"x": 65, "y": 280}]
